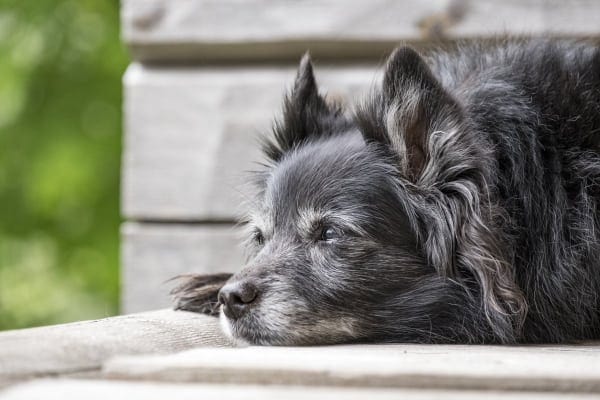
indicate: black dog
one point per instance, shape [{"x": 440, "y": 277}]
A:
[{"x": 458, "y": 204}]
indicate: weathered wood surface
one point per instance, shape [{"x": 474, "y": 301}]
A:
[
  {"x": 531, "y": 368},
  {"x": 152, "y": 254},
  {"x": 83, "y": 346},
  {"x": 102, "y": 390},
  {"x": 191, "y": 135},
  {"x": 233, "y": 30}
]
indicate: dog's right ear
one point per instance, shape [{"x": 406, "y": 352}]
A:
[{"x": 306, "y": 114}]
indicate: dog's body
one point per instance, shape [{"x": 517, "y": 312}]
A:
[{"x": 458, "y": 204}]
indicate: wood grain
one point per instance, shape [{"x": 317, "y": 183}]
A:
[
  {"x": 259, "y": 30},
  {"x": 81, "y": 347},
  {"x": 443, "y": 367},
  {"x": 101, "y": 390}
]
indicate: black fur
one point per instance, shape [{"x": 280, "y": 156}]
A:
[
  {"x": 198, "y": 293},
  {"x": 458, "y": 204}
]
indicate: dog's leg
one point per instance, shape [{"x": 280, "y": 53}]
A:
[{"x": 198, "y": 293}]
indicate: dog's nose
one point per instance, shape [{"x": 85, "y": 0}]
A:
[{"x": 237, "y": 297}]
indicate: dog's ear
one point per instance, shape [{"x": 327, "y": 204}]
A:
[
  {"x": 306, "y": 114},
  {"x": 426, "y": 130},
  {"x": 198, "y": 293},
  {"x": 412, "y": 108}
]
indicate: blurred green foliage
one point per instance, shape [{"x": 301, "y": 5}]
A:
[{"x": 61, "y": 63}]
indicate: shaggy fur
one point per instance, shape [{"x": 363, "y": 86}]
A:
[{"x": 458, "y": 204}]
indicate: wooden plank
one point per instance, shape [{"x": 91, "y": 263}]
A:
[
  {"x": 152, "y": 254},
  {"x": 559, "y": 18},
  {"x": 229, "y": 30},
  {"x": 192, "y": 134},
  {"x": 83, "y": 346},
  {"x": 268, "y": 29},
  {"x": 531, "y": 368},
  {"x": 101, "y": 390}
]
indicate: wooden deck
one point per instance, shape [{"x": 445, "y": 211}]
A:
[
  {"x": 114, "y": 390},
  {"x": 167, "y": 354},
  {"x": 399, "y": 366}
]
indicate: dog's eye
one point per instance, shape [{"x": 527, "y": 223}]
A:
[
  {"x": 258, "y": 237},
  {"x": 329, "y": 234}
]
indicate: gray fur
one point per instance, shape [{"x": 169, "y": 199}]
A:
[{"x": 458, "y": 204}]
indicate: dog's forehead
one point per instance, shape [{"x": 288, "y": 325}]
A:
[
  {"x": 315, "y": 172},
  {"x": 318, "y": 180}
]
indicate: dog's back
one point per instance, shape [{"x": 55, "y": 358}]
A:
[{"x": 538, "y": 104}]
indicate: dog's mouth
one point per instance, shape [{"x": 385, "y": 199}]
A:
[
  {"x": 255, "y": 323},
  {"x": 246, "y": 329},
  {"x": 273, "y": 324}
]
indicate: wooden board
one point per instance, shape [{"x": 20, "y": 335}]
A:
[
  {"x": 152, "y": 254},
  {"x": 81, "y": 347},
  {"x": 102, "y": 390},
  {"x": 531, "y": 368},
  {"x": 191, "y": 135},
  {"x": 233, "y": 30}
]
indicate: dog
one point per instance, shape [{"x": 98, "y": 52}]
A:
[{"x": 457, "y": 203}]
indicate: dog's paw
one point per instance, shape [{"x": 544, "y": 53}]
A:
[{"x": 198, "y": 293}]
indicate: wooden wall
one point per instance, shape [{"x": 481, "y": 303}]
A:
[{"x": 208, "y": 75}]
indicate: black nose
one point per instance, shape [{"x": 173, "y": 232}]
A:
[{"x": 237, "y": 297}]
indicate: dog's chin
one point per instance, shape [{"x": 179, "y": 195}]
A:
[
  {"x": 243, "y": 333},
  {"x": 250, "y": 331},
  {"x": 228, "y": 327}
]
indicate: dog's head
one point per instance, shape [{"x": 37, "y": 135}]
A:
[{"x": 361, "y": 226}]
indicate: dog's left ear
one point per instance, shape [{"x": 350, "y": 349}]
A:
[
  {"x": 413, "y": 108},
  {"x": 306, "y": 115},
  {"x": 428, "y": 133}
]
